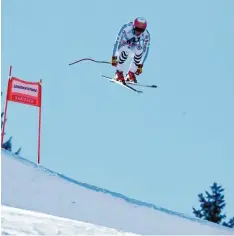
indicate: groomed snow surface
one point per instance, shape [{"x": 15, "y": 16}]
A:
[
  {"x": 21, "y": 222},
  {"x": 30, "y": 191}
]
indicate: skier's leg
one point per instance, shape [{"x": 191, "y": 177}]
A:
[
  {"x": 138, "y": 51},
  {"x": 122, "y": 57}
]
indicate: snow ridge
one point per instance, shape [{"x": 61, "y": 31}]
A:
[{"x": 154, "y": 213}]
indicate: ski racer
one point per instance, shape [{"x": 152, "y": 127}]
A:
[{"x": 133, "y": 38}]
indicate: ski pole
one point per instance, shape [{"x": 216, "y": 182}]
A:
[{"x": 89, "y": 59}]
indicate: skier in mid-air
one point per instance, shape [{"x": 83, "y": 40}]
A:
[{"x": 133, "y": 38}]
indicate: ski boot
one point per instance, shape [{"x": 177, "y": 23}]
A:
[
  {"x": 119, "y": 77},
  {"x": 131, "y": 77}
]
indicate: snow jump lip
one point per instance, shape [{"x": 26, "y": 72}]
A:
[{"x": 112, "y": 193}]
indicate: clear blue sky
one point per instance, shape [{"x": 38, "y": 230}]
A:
[{"x": 164, "y": 146}]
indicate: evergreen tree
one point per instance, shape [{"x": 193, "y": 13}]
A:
[
  {"x": 230, "y": 223},
  {"x": 18, "y": 152},
  {"x": 212, "y": 205},
  {"x": 2, "y": 114},
  {"x": 1, "y": 119},
  {"x": 8, "y": 144}
]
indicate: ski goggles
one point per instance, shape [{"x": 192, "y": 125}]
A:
[{"x": 139, "y": 29}]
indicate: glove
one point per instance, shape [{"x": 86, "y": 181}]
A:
[
  {"x": 114, "y": 61},
  {"x": 139, "y": 69}
]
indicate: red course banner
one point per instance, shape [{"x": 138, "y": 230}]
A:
[{"x": 24, "y": 92}]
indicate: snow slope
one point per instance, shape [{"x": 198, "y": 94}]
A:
[
  {"x": 22, "y": 222},
  {"x": 28, "y": 186}
]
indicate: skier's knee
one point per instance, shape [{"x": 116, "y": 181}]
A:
[
  {"x": 123, "y": 57},
  {"x": 137, "y": 59}
]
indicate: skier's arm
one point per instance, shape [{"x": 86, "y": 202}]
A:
[
  {"x": 146, "y": 47},
  {"x": 118, "y": 39}
]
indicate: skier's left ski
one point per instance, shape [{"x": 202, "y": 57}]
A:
[
  {"x": 120, "y": 83},
  {"x": 142, "y": 85}
]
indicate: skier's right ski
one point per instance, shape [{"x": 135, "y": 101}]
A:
[{"x": 120, "y": 83}]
